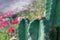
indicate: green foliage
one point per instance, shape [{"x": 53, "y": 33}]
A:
[
  {"x": 31, "y": 16},
  {"x": 4, "y": 35}
]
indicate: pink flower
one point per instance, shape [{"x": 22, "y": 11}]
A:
[
  {"x": 4, "y": 16},
  {"x": 0, "y": 14},
  {"x": 14, "y": 21},
  {"x": 9, "y": 13},
  {"x": 1, "y": 17},
  {"x": 11, "y": 30},
  {"x": 19, "y": 18},
  {"x": 4, "y": 24}
]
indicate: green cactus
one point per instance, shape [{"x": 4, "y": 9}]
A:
[
  {"x": 56, "y": 21},
  {"x": 23, "y": 29},
  {"x": 36, "y": 30}
]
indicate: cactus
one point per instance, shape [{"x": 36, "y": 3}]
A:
[
  {"x": 23, "y": 29},
  {"x": 34, "y": 29}
]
